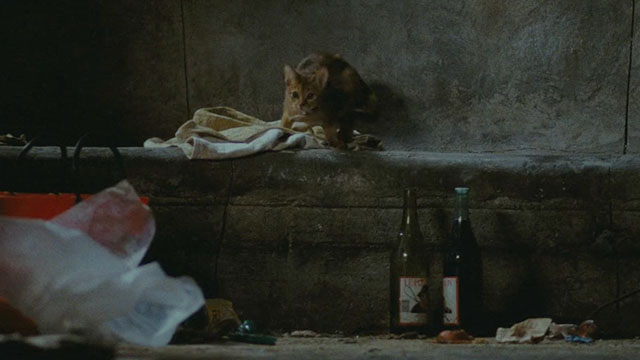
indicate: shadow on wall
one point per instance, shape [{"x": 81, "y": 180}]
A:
[
  {"x": 54, "y": 55},
  {"x": 393, "y": 113}
]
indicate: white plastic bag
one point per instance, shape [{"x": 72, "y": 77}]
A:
[{"x": 79, "y": 271}]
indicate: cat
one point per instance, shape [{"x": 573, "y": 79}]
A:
[{"x": 325, "y": 90}]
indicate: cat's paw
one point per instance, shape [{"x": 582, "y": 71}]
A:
[
  {"x": 297, "y": 118},
  {"x": 300, "y": 126}
]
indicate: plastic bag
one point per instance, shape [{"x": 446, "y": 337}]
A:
[{"x": 79, "y": 271}]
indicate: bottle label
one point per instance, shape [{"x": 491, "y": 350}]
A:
[
  {"x": 413, "y": 301},
  {"x": 451, "y": 300}
]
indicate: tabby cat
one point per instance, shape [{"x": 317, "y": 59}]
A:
[{"x": 325, "y": 90}]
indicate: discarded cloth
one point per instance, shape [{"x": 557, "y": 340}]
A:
[
  {"x": 528, "y": 331},
  {"x": 225, "y": 133}
]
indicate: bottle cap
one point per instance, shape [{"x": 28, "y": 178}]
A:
[{"x": 462, "y": 190}]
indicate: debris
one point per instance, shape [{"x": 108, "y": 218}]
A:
[
  {"x": 245, "y": 334},
  {"x": 535, "y": 330},
  {"x": 11, "y": 140},
  {"x": 560, "y": 331},
  {"x": 578, "y": 339},
  {"x": 528, "y": 331},
  {"x": 454, "y": 337},
  {"x": 304, "y": 333},
  {"x": 78, "y": 272},
  {"x": 586, "y": 329},
  {"x": 222, "y": 318},
  {"x": 583, "y": 333},
  {"x": 212, "y": 321}
]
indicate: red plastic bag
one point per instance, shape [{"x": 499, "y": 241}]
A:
[
  {"x": 40, "y": 206},
  {"x": 35, "y": 206}
]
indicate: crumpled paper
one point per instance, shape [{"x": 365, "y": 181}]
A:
[
  {"x": 537, "y": 329},
  {"x": 528, "y": 331}
]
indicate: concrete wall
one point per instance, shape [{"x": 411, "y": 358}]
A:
[{"x": 489, "y": 75}]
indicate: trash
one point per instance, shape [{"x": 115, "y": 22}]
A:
[
  {"x": 221, "y": 317},
  {"x": 11, "y": 140},
  {"x": 586, "y": 329},
  {"x": 303, "y": 333},
  {"x": 78, "y": 272},
  {"x": 560, "y": 331},
  {"x": 583, "y": 333},
  {"x": 578, "y": 339},
  {"x": 528, "y": 331},
  {"x": 247, "y": 327},
  {"x": 535, "y": 330},
  {"x": 214, "y": 320},
  {"x": 245, "y": 334},
  {"x": 454, "y": 337}
]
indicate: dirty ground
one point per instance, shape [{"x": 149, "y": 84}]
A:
[{"x": 383, "y": 348}]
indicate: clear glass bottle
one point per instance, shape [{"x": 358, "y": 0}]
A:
[
  {"x": 409, "y": 304},
  {"x": 462, "y": 275}
]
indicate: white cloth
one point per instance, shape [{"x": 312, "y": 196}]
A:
[{"x": 224, "y": 133}]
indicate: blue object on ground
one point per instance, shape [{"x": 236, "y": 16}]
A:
[{"x": 578, "y": 339}]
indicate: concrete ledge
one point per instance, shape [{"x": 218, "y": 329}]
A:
[{"x": 300, "y": 239}]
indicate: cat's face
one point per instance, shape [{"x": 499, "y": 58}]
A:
[{"x": 303, "y": 92}]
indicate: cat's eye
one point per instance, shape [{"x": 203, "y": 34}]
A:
[
  {"x": 311, "y": 96},
  {"x": 294, "y": 95}
]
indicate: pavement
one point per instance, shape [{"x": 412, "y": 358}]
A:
[{"x": 288, "y": 348}]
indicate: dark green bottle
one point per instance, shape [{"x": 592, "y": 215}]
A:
[
  {"x": 409, "y": 307},
  {"x": 462, "y": 275}
]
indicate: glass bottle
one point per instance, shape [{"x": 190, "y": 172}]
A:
[
  {"x": 409, "y": 304},
  {"x": 462, "y": 275}
]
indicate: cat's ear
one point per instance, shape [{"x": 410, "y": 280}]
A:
[
  {"x": 321, "y": 77},
  {"x": 290, "y": 75}
]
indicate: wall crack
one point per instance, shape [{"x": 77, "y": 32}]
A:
[{"x": 223, "y": 228}]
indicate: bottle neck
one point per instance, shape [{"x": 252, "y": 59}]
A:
[
  {"x": 462, "y": 206},
  {"x": 410, "y": 212}
]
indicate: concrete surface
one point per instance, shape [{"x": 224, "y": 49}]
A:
[
  {"x": 377, "y": 348},
  {"x": 634, "y": 90},
  {"x": 475, "y": 76},
  {"x": 300, "y": 239},
  {"x": 470, "y": 76}
]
